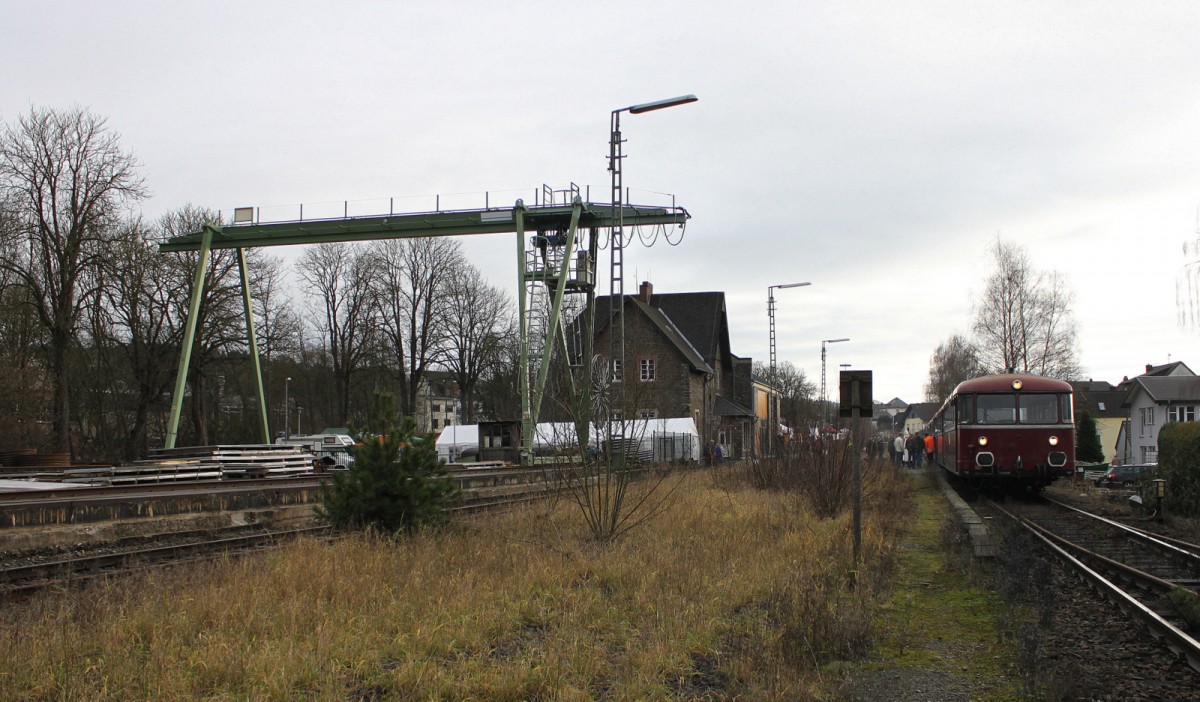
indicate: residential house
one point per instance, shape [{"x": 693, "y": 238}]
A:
[
  {"x": 437, "y": 402},
  {"x": 916, "y": 417},
  {"x": 1102, "y": 401},
  {"x": 677, "y": 363},
  {"x": 886, "y": 416},
  {"x": 1153, "y": 401}
]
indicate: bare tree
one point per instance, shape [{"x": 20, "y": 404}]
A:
[
  {"x": 954, "y": 361},
  {"x": 795, "y": 390},
  {"x": 496, "y": 392},
  {"x": 340, "y": 277},
  {"x": 1023, "y": 321},
  {"x": 24, "y": 386},
  {"x": 478, "y": 316},
  {"x": 277, "y": 323},
  {"x": 1187, "y": 287},
  {"x": 67, "y": 177},
  {"x": 144, "y": 299},
  {"x": 414, "y": 275}
]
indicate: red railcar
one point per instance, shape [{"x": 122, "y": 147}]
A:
[{"x": 1007, "y": 430}]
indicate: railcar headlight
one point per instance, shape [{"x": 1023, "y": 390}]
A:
[
  {"x": 983, "y": 441},
  {"x": 1017, "y": 384},
  {"x": 1054, "y": 441}
]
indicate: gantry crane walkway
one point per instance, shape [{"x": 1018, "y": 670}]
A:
[{"x": 557, "y": 273}]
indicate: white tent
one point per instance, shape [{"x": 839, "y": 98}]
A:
[
  {"x": 672, "y": 439},
  {"x": 457, "y": 440},
  {"x": 665, "y": 440}
]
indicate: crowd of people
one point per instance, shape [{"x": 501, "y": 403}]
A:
[{"x": 911, "y": 450}]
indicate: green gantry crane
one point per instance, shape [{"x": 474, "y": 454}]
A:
[{"x": 557, "y": 276}]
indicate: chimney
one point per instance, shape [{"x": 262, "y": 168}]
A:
[
  {"x": 645, "y": 291},
  {"x": 1148, "y": 367}
]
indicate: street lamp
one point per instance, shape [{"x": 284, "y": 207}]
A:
[
  {"x": 824, "y": 404},
  {"x": 771, "y": 314},
  {"x": 287, "y": 434},
  {"x": 616, "y": 300},
  {"x": 773, "y": 405}
]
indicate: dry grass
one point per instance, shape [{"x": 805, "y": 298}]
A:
[{"x": 731, "y": 592}]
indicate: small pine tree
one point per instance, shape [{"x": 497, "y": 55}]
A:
[
  {"x": 396, "y": 482},
  {"x": 1087, "y": 440}
]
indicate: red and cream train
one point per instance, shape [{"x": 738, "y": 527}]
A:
[{"x": 1011, "y": 430}]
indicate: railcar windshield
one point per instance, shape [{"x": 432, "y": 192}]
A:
[
  {"x": 1013, "y": 408},
  {"x": 996, "y": 409},
  {"x": 1039, "y": 409}
]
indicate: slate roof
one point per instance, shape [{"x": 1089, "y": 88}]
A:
[
  {"x": 674, "y": 334},
  {"x": 725, "y": 407},
  {"x": 698, "y": 317},
  {"x": 1166, "y": 369},
  {"x": 1100, "y": 399},
  {"x": 1164, "y": 390},
  {"x": 663, "y": 323},
  {"x": 923, "y": 411}
]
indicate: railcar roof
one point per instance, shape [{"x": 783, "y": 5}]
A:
[{"x": 1004, "y": 383}]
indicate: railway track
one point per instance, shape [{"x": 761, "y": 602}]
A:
[
  {"x": 39, "y": 574},
  {"x": 42, "y": 573},
  {"x": 1152, "y": 579}
]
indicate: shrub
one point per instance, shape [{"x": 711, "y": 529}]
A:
[
  {"x": 1179, "y": 465},
  {"x": 396, "y": 482},
  {"x": 1087, "y": 440}
]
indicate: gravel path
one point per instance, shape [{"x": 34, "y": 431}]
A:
[{"x": 1060, "y": 640}]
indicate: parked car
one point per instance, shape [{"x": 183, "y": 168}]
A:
[{"x": 1124, "y": 476}]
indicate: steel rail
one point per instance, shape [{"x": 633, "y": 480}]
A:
[
  {"x": 30, "y": 577},
  {"x": 1174, "y": 546},
  {"x": 35, "y": 576},
  {"x": 1178, "y": 641}
]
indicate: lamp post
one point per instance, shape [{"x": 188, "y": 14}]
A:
[
  {"x": 616, "y": 299},
  {"x": 287, "y": 434},
  {"x": 299, "y": 414},
  {"x": 771, "y": 314},
  {"x": 773, "y": 406},
  {"x": 824, "y": 404}
]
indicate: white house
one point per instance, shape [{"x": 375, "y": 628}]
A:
[{"x": 1153, "y": 402}]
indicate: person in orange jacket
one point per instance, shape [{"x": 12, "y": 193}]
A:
[{"x": 929, "y": 447}]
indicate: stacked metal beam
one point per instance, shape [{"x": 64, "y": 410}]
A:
[{"x": 201, "y": 463}]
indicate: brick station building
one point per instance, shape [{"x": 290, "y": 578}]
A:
[{"x": 678, "y": 363}]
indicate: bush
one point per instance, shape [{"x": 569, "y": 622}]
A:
[
  {"x": 396, "y": 482},
  {"x": 1179, "y": 465},
  {"x": 1087, "y": 440}
]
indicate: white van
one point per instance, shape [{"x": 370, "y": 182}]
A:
[{"x": 332, "y": 451}]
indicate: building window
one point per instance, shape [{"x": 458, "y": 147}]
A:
[
  {"x": 1149, "y": 454},
  {"x": 618, "y": 371},
  {"x": 1147, "y": 416},
  {"x": 616, "y": 415},
  {"x": 647, "y": 370},
  {"x": 433, "y": 424},
  {"x": 1183, "y": 413},
  {"x": 648, "y": 414}
]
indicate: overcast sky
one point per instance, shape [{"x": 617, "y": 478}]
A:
[{"x": 876, "y": 149}]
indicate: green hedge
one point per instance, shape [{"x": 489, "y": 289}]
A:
[{"x": 1179, "y": 465}]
